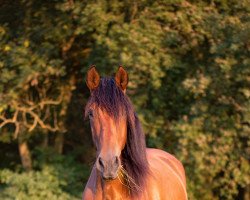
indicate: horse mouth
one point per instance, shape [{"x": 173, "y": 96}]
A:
[{"x": 109, "y": 178}]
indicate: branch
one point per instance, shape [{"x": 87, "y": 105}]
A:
[
  {"x": 38, "y": 120},
  {"x": 34, "y": 111},
  {"x": 43, "y": 103},
  {"x": 67, "y": 46},
  {"x": 8, "y": 121},
  {"x": 13, "y": 120}
]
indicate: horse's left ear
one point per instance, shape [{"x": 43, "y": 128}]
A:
[{"x": 121, "y": 78}]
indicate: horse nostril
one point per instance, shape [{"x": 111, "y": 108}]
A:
[
  {"x": 116, "y": 160},
  {"x": 101, "y": 163}
]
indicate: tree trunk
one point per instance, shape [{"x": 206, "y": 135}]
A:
[
  {"x": 59, "y": 143},
  {"x": 247, "y": 193},
  {"x": 45, "y": 140},
  {"x": 24, "y": 153}
]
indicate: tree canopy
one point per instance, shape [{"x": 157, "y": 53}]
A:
[{"x": 189, "y": 73}]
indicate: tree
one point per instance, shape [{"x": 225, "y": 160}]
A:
[{"x": 188, "y": 64}]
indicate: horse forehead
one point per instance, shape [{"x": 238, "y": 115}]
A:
[
  {"x": 109, "y": 112},
  {"x": 103, "y": 114}
]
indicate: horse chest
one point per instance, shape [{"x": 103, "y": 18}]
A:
[{"x": 113, "y": 191}]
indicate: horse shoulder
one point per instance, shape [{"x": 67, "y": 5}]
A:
[
  {"x": 87, "y": 194},
  {"x": 168, "y": 175},
  {"x": 90, "y": 188}
]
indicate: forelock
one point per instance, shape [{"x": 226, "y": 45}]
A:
[{"x": 110, "y": 98}]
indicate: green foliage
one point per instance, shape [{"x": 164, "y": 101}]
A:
[
  {"x": 55, "y": 177},
  {"x": 32, "y": 185},
  {"x": 188, "y": 64}
]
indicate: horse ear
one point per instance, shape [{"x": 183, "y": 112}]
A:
[
  {"x": 121, "y": 78},
  {"x": 93, "y": 78}
]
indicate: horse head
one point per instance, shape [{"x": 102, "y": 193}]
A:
[{"x": 107, "y": 114}]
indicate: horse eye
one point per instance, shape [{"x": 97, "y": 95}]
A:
[{"x": 90, "y": 113}]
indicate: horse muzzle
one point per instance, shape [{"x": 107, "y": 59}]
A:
[{"x": 108, "y": 167}]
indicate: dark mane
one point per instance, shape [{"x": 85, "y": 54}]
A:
[{"x": 110, "y": 98}]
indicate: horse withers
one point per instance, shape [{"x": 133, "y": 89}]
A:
[{"x": 124, "y": 167}]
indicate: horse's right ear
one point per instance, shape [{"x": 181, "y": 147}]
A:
[{"x": 93, "y": 78}]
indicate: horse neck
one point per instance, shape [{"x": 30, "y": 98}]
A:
[{"x": 113, "y": 189}]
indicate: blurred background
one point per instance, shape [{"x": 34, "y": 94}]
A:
[{"x": 189, "y": 68}]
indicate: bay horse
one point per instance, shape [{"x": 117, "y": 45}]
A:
[{"x": 124, "y": 167}]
